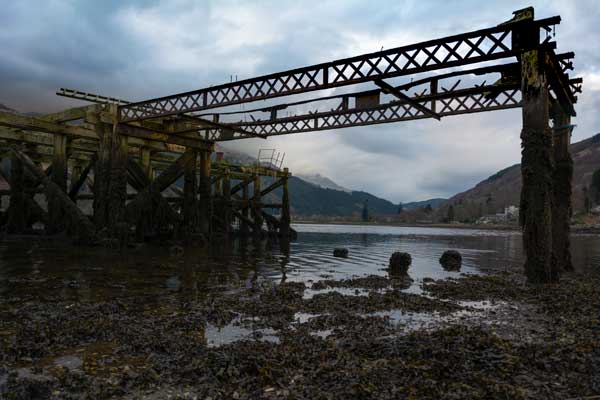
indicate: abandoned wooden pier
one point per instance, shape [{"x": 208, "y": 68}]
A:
[{"x": 514, "y": 65}]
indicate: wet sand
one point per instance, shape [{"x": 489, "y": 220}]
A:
[{"x": 469, "y": 337}]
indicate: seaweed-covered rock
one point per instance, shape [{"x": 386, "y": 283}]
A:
[
  {"x": 340, "y": 252},
  {"x": 399, "y": 262},
  {"x": 451, "y": 260}
]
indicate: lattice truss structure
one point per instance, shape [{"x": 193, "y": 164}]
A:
[{"x": 466, "y": 73}]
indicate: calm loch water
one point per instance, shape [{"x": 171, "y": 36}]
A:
[{"x": 43, "y": 271}]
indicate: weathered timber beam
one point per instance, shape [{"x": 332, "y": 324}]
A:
[
  {"x": 143, "y": 133},
  {"x": 272, "y": 186},
  {"x": 271, "y": 219},
  {"x": 71, "y": 114},
  {"x": 559, "y": 82},
  {"x": 247, "y": 221},
  {"x": 79, "y": 223},
  {"x": 165, "y": 179},
  {"x": 191, "y": 123},
  {"x": 244, "y": 183},
  {"x": 76, "y": 186},
  {"x": 387, "y": 88},
  {"x": 137, "y": 176},
  {"x": 36, "y": 124}
]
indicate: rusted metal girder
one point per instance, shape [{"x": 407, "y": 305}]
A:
[
  {"x": 454, "y": 102},
  {"x": 463, "y": 49}
]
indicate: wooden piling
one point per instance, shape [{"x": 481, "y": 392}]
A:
[
  {"x": 117, "y": 187},
  {"x": 284, "y": 229},
  {"x": 77, "y": 223},
  {"x": 102, "y": 175},
  {"x": 191, "y": 208},
  {"x": 56, "y": 216},
  {"x": 17, "y": 211},
  {"x": 256, "y": 209},
  {"x": 205, "y": 193},
  {"x": 562, "y": 177},
  {"x": 226, "y": 199},
  {"x": 244, "y": 228},
  {"x": 537, "y": 171},
  {"x": 146, "y": 161}
]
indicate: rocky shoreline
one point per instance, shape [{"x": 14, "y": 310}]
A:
[{"x": 466, "y": 338}]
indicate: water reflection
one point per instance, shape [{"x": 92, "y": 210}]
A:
[{"x": 31, "y": 270}]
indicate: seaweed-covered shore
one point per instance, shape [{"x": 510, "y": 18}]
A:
[{"x": 487, "y": 337}]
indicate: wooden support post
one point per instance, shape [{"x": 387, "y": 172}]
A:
[
  {"x": 226, "y": 205},
  {"x": 205, "y": 193},
  {"x": 117, "y": 188},
  {"x": 76, "y": 170},
  {"x": 537, "y": 171},
  {"x": 245, "y": 212},
  {"x": 284, "y": 229},
  {"x": 256, "y": 207},
  {"x": 102, "y": 175},
  {"x": 17, "y": 210},
  {"x": 150, "y": 198},
  {"x": 56, "y": 217},
  {"x": 191, "y": 208},
  {"x": 77, "y": 223},
  {"x": 145, "y": 158},
  {"x": 563, "y": 174},
  {"x": 77, "y": 183}
]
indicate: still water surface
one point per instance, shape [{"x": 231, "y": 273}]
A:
[{"x": 42, "y": 271}]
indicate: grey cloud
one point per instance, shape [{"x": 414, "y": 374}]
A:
[{"x": 141, "y": 49}]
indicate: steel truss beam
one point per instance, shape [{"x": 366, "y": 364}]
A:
[
  {"x": 453, "y": 102},
  {"x": 463, "y": 49}
]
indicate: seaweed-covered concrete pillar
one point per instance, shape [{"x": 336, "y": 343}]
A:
[
  {"x": 205, "y": 192},
  {"x": 537, "y": 169},
  {"x": 563, "y": 174}
]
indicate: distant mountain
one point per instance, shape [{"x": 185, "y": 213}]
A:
[
  {"x": 4, "y": 108},
  {"x": 322, "y": 182},
  {"x": 504, "y": 187},
  {"x": 235, "y": 157},
  {"x": 434, "y": 203},
  {"x": 314, "y": 195}
]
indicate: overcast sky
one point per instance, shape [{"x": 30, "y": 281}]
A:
[{"x": 143, "y": 49}]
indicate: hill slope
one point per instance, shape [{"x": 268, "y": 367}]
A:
[{"x": 503, "y": 188}]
